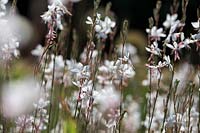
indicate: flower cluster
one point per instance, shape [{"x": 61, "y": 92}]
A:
[
  {"x": 9, "y": 43},
  {"x": 37, "y": 121},
  {"x": 10, "y": 50},
  {"x": 99, "y": 99},
  {"x": 179, "y": 116},
  {"x": 102, "y": 27},
  {"x": 53, "y": 16},
  {"x": 179, "y": 122},
  {"x": 91, "y": 90},
  {"x": 196, "y": 37}
]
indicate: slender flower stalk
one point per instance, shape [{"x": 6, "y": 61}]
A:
[
  {"x": 51, "y": 93},
  {"x": 124, "y": 37},
  {"x": 168, "y": 98},
  {"x": 154, "y": 103}
]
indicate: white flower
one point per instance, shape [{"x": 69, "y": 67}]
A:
[
  {"x": 196, "y": 25},
  {"x": 80, "y": 71},
  {"x": 153, "y": 48},
  {"x": 156, "y": 33},
  {"x": 196, "y": 36},
  {"x": 107, "y": 24},
  {"x": 125, "y": 67},
  {"x": 157, "y": 66},
  {"x": 54, "y": 13},
  {"x": 170, "y": 20},
  {"x": 38, "y": 51},
  {"x": 179, "y": 42},
  {"x": 106, "y": 72},
  {"x": 89, "y": 20},
  {"x": 167, "y": 62},
  {"x": 102, "y": 27},
  {"x": 178, "y": 36},
  {"x": 108, "y": 67},
  {"x": 72, "y": 64},
  {"x": 39, "y": 117},
  {"x": 127, "y": 71},
  {"x": 133, "y": 115},
  {"x": 59, "y": 64},
  {"x": 10, "y": 49},
  {"x": 174, "y": 120},
  {"x": 24, "y": 121},
  {"x": 175, "y": 46},
  {"x": 85, "y": 88},
  {"x": 131, "y": 49},
  {"x": 161, "y": 64},
  {"x": 107, "y": 98},
  {"x": 42, "y": 103},
  {"x": 113, "y": 117},
  {"x": 173, "y": 28}
]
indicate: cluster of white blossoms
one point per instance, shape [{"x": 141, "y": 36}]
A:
[
  {"x": 116, "y": 72},
  {"x": 158, "y": 113},
  {"x": 101, "y": 98},
  {"x": 177, "y": 119},
  {"x": 155, "y": 33},
  {"x": 37, "y": 120},
  {"x": 183, "y": 120},
  {"x": 28, "y": 103},
  {"x": 9, "y": 42},
  {"x": 102, "y": 27},
  {"x": 10, "y": 50},
  {"x": 91, "y": 88},
  {"x": 53, "y": 16},
  {"x": 132, "y": 118},
  {"x": 16, "y": 30},
  {"x": 131, "y": 49},
  {"x": 175, "y": 41}
]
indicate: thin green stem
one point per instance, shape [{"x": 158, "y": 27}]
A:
[
  {"x": 41, "y": 86},
  {"x": 52, "y": 89}
]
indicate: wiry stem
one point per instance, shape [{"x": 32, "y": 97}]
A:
[
  {"x": 124, "y": 37},
  {"x": 41, "y": 86},
  {"x": 150, "y": 90},
  {"x": 52, "y": 89},
  {"x": 167, "y": 100},
  {"x": 77, "y": 101},
  {"x": 154, "y": 104},
  {"x": 90, "y": 50},
  {"x": 191, "y": 101}
]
